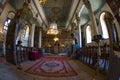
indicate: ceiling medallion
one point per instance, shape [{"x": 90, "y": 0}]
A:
[{"x": 56, "y": 10}]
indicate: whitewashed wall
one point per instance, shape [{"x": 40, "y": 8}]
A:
[{"x": 104, "y": 8}]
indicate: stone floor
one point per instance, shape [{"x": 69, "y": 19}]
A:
[{"x": 10, "y": 72}]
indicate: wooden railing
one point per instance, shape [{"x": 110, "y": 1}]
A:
[
  {"x": 52, "y": 50},
  {"x": 114, "y": 70},
  {"x": 89, "y": 56},
  {"x": 22, "y": 52}
]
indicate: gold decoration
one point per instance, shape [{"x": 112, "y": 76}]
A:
[
  {"x": 53, "y": 29},
  {"x": 56, "y": 39},
  {"x": 42, "y": 2},
  {"x": 56, "y": 10}
]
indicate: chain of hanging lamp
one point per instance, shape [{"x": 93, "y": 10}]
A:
[{"x": 53, "y": 30}]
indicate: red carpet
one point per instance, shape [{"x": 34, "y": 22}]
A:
[{"x": 52, "y": 67}]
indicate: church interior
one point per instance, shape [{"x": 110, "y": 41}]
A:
[{"x": 59, "y": 40}]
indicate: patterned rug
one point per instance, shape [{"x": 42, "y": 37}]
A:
[{"x": 52, "y": 67}]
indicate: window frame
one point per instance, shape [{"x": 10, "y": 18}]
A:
[
  {"x": 88, "y": 34},
  {"x": 104, "y": 28}
]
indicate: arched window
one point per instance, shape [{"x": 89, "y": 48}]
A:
[
  {"x": 23, "y": 35},
  {"x": 10, "y": 16},
  {"x": 104, "y": 27},
  {"x": 7, "y": 22},
  {"x": 26, "y": 32},
  {"x": 88, "y": 34}
]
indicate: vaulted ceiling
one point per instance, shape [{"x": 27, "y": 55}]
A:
[
  {"x": 96, "y": 6},
  {"x": 59, "y": 10}
]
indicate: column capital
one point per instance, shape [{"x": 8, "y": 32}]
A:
[
  {"x": 33, "y": 24},
  {"x": 87, "y": 3},
  {"x": 73, "y": 24},
  {"x": 78, "y": 20}
]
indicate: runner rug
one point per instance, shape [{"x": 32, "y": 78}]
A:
[{"x": 52, "y": 67}]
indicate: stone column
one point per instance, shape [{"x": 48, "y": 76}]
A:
[
  {"x": 36, "y": 37},
  {"x": 79, "y": 30},
  {"x": 32, "y": 35},
  {"x": 80, "y": 40},
  {"x": 92, "y": 17},
  {"x": 40, "y": 37},
  {"x": 10, "y": 43}
]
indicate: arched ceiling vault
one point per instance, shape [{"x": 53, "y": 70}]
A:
[
  {"x": 59, "y": 11},
  {"x": 96, "y": 6}
]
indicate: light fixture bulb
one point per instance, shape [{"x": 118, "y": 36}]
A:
[
  {"x": 56, "y": 39},
  {"x": 53, "y": 29}
]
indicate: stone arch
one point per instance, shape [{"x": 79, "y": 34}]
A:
[{"x": 109, "y": 22}]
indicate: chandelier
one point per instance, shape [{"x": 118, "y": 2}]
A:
[
  {"x": 42, "y": 2},
  {"x": 53, "y": 29},
  {"x": 56, "y": 39}
]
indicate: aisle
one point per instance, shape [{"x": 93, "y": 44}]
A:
[{"x": 54, "y": 68}]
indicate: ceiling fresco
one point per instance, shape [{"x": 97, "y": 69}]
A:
[
  {"x": 18, "y": 4},
  {"x": 58, "y": 10}
]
